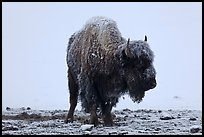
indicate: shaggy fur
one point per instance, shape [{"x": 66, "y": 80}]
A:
[{"x": 102, "y": 65}]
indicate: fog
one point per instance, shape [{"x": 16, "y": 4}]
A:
[{"x": 35, "y": 37}]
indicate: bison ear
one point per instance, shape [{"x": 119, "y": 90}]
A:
[{"x": 145, "y": 38}]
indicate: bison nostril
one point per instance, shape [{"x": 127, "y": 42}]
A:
[{"x": 154, "y": 83}]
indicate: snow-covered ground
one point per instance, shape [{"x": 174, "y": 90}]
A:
[{"x": 25, "y": 121}]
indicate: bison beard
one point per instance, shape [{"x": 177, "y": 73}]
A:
[{"x": 102, "y": 66}]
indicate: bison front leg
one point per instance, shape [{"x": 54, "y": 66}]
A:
[
  {"x": 92, "y": 101},
  {"x": 106, "y": 111},
  {"x": 73, "y": 90},
  {"x": 88, "y": 96},
  {"x": 94, "y": 117}
]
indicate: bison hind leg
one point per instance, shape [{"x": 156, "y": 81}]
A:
[{"x": 73, "y": 90}]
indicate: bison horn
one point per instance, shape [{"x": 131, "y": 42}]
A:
[
  {"x": 127, "y": 49},
  {"x": 128, "y": 42},
  {"x": 145, "y": 38}
]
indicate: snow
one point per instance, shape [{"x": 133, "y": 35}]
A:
[
  {"x": 127, "y": 122},
  {"x": 195, "y": 129},
  {"x": 100, "y": 21},
  {"x": 87, "y": 127}
]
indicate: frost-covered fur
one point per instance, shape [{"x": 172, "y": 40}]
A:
[{"x": 102, "y": 65}]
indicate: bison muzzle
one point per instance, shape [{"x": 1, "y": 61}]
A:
[{"x": 103, "y": 65}]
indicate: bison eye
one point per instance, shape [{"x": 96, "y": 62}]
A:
[
  {"x": 142, "y": 65},
  {"x": 147, "y": 63}
]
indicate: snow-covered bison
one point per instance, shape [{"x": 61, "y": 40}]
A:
[{"x": 102, "y": 66}]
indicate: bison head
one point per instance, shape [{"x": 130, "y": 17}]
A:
[{"x": 138, "y": 74}]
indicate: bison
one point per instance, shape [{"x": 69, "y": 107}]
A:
[{"x": 103, "y": 65}]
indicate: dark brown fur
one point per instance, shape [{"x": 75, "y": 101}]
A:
[{"x": 102, "y": 66}]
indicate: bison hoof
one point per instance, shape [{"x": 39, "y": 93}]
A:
[
  {"x": 108, "y": 124},
  {"x": 108, "y": 121},
  {"x": 68, "y": 120},
  {"x": 94, "y": 120}
]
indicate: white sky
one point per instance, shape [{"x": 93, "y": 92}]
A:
[{"x": 35, "y": 36}]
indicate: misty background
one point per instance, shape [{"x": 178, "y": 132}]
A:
[{"x": 35, "y": 37}]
